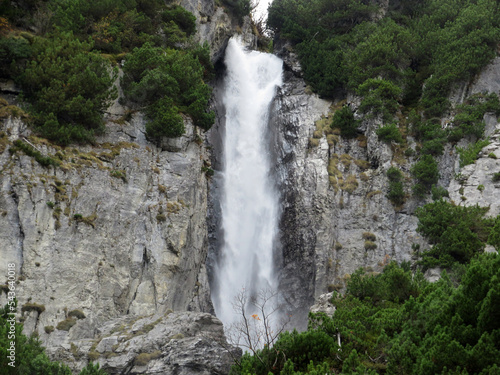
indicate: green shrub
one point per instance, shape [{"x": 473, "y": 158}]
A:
[
  {"x": 425, "y": 171},
  {"x": 30, "y": 357},
  {"x": 469, "y": 118},
  {"x": 44, "y": 161},
  {"x": 49, "y": 329},
  {"x": 69, "y": 88},
  {"x": 438, "y": 192},
  {"x": 380, "y": 97},
  {"x": 389, "y": 133},
  {"x": 185, "y": 20},
  {"x": 369, "y": 236},
  {"x": 496, "y": 177},
  {"x": 343, "y": 119},
  {"x": 166, "y": 83},
  {"x": 457, "y": 233},
  {"x": 395, "y": 193},
  {"x": 240, "y": 8},
  {"x": 14, "y": 52},
  {"x": 470, "y": 154}
]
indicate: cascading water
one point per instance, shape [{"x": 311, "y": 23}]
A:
[{"x": 249, "y": 199}]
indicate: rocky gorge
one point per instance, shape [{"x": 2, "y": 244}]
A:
[{"x": 111, "y": 246}]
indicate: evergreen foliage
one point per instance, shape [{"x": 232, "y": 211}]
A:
[
  {"x": 470, "y": 154},
  {"x": 389, "y": 133},
  {"x": 343, "y": 119},
  {"x": 68, "y": 82},
  {"x": 397, "y": 323},
  {"x": 69, "y": 87},
  {"x": 395, "y": 192},
  {"x": 30, "y": 357},
  {"x": 457, "y": 233},
  {"x": 432, "y": 42},
  {"x": 165, "y": 83},
  {"x": 426, "y": 173}
]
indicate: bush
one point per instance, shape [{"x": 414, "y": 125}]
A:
[
  {"x": 438, "y": 192},
  {"x": 181, "y": 17},
  {"x": 33, "y": 307},
  {"x": 369, "y": 236},
  {"x": 389, "y": 133},
  {"x": 370, "y": 245},
  {"x": 66, "y": 324},
  {"x": 470, "y": 154},
  {"x": 13, "y": 53},
  {"x": 76, "y": 314},
  {"x": 343, "y": 119},
  {"x": 380, "y": 97},
  {"x": 240, "y": 8},
  {"x": 457, "y": 233},
  {"x": 168, "y": 82},
  {"x": 69, "y": 88},
  {"x": 395, "y": 193},
  {"x": 44, "y": 161},
  {"x": 426, "y": 173}
]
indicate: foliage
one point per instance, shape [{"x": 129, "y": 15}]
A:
[
  {"x": 423, "y": 47},
  {"x": 456, "y": 233},
  {"x": 395, "y": 193},
  {"x": 30, "y": 357},
  {"x": 343, "y": 119},
  {"x": 44, "y": 161},
  {"x": 13, "y": 52},
  {"x": 380, "y": 97},
  {"x": 240, "y": 8},
  {"x": 469, "y": 118},
  {"x": 470, "y": 154},
  {"x": 438, "y": 192},
  {"x": 167, "y": 83},
  {"x": 121, "y": 25},
  {"x": 426, "y": 173},
  {"x": 69, "y": 88},
  {"x": 389, "y": 133},
  {"x": 396, "y": 322}
]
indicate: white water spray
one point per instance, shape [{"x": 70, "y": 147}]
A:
[{"x": 249, "y": 203}]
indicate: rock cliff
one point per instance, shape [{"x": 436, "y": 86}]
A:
[
  {"x": 114, "y": 238},
  {"x": 336, "y": 216}
]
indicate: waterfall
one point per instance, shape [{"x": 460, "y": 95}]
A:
[{"x": 249, "y": 199}]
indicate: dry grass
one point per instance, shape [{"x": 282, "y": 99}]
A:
[
  {"x": 371, "y": 194},
  {"x": 350, "y": 184},
  {"x": 369, "y": 236},
  {"x": 363, "y": 164}
]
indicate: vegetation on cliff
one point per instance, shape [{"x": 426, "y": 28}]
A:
[
  {"x": 396, "y": 322},
  {"x": 27, "y": 356},
  {"x": 64, "y": 56},
  {"x": 402, "y": 59}
]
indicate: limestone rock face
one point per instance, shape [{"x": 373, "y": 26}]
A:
[
  {"x": 336, "y": 216},
  {"x": 325, "y": 223},
  {"x": 214, "y": 26},
  {"x": 117, "y": 229},
  {"x": 181, "y": 343}
]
